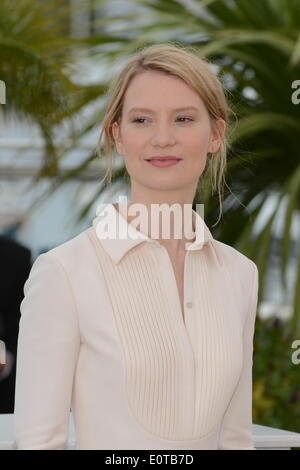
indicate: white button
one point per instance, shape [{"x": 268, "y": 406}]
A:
[{"x": 189, "y": 304}]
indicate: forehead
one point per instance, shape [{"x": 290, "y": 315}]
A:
[{"x": 153, "y": 91}]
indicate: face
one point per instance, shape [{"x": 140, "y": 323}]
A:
[{"x": 161, "y": 130}]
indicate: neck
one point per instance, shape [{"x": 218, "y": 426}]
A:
[{"x": 171, "y": 224}]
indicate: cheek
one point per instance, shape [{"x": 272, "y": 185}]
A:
[
  {"x": 133, "y": 142},
  {"x": 196, "y": 154},
  {"x": 192, "y": 141},
  {"x": 200, "y": 140},
  {"x": 196, "y": 148},
  {"x": 133, "y": 138},
  {"x": 194, "y": 137}
]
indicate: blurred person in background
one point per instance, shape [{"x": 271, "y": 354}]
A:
[{"x": 15, "y": 265}]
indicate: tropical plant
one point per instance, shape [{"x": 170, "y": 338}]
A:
[
  {"x": 257, "y": 50},
  {"x": 37, "y": 59},
  {"x": 276, "y": 398},
  {"x": 256, "y": 47}
]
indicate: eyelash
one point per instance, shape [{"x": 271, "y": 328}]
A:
[{"x": 180, "y": 117}]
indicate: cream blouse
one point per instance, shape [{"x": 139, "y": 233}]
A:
[{"x": 102, "y": 333}]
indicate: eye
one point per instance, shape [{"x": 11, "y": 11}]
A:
[
  {"x": 185, "y": 117},
  {"x": 138, "y": 120}
]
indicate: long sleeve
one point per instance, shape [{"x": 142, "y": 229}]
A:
[
  {"x": 236, "y": 427},
  {"x": 47, "y": 352}
]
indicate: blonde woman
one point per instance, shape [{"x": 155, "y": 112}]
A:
[{"x": 147, "y": 339}]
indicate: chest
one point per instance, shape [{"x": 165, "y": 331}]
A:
[
  {"x": 177, "y": 262},
  {"x": 178, "y": 376}
]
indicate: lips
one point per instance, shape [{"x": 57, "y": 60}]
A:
[{"x": 163, "y": 159}]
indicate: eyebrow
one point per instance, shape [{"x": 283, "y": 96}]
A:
[{"x": 146, "y": 110}]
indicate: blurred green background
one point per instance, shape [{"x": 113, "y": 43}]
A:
[{"x": 255, "y": 46}]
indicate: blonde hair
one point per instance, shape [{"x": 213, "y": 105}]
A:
[{"x": 183, "y": 62}]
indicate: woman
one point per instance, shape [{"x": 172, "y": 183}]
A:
[{"x": 148, "y": 340}]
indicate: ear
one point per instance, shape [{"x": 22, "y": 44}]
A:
[
  {"x": 117, "y": 137},
  {"x": 218, "y": 132}
]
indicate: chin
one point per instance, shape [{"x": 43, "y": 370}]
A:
[{"x": 164, "y": 185}]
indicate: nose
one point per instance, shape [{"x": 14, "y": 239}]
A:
[{"x": 163, "y": 135}]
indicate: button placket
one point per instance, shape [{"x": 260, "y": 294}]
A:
[
  {"x": 186, "y": 289},
  {"x": 185, "y": 336},
  {"x": 188, "y": 303},
  {"x": 189, "y": 323}
]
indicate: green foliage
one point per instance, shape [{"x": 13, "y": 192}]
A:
[
  {"x": 256, "y": 45},
  {"x": 37, "y": 59},
  {"x": 276, "y": 393}
]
